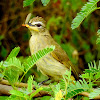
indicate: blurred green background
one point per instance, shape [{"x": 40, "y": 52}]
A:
[{"x": 80, "y": 44}]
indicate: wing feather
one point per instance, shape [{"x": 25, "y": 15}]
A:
[{"x": 60, "y": 55}]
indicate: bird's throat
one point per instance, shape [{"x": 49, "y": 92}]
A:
[{"x": 34, "y": 32}]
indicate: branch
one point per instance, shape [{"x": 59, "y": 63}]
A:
[
  {"x": 4, "y": 89},
  {"x": 5, "y": 82},
  {"x": 87, "y": 95}
]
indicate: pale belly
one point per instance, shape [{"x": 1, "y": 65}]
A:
[
  {"x": 51, "y": 67},
  {"x": 47, "y": 65}
]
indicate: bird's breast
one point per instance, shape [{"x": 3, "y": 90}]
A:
[
  {"x": 47, "y": 65},
  {"x": 36, "y": 43},
  {"x": 51, "y": 67}
]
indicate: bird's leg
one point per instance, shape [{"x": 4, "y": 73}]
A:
[{"x": 44, "y": 81}]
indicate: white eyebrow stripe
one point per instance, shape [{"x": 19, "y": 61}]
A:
[{"x": 37, "y": 23}]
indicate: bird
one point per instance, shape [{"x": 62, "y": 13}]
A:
[{"x": 54, "y": 64}]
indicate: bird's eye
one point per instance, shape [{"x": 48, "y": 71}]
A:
[{"x": 38, "y": 25}]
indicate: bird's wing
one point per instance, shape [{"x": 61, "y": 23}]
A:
[{"x": 60, "y": 55}]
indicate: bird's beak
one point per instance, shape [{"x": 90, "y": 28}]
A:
[{"x": 31, "y": 27}]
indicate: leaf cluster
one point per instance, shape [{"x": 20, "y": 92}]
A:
[
  {"x": 88, "y": 8},
  {"x": 11, "y": 68},
  {"x": 68, "y": 88}
]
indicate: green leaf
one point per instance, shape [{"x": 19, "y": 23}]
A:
[
  {"x": 35, "y": 84},
  {"x": 2, "y": 70},
  {"x": 85, "y": 11},
  {"x": 62, "y": 84},
  {"x": 30, "y": 81},
  {"x": 98, "y": 31},
  {"x": 74, "y": 92},
  {"x": 45, "y": 2},
  {"x": 98, "y": 39},
  {"x": 57, "y": 88},
  {"x": 3, "y": 97},
  {"x": 14, "y": 62},
  {"x": 86, "y": 75},
  {"x": 1, "y": 63},
  {"x": 37, "y": 91},
  {"x": 12, "y": 75},
  {"x": 35, "y": 57},
  {"x": 78, "y": 87},
  {"x": 27, "y": 2},
  {"x": 18, "y": 93},
  {"x": 97, "y": 76},
  {"x": 45, "y": 98},
  {"x": 1, "y": 76},
  {"x": 13, "y": 53},
  {"x": 95, "y": 93},
  {"x": 13, "y": 65},
  {"x": 93, "y": 73},
  {"x": 13, "y": 97},
  {"x": 93, "y": 67}
]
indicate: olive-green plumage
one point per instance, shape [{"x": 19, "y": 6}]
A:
[{"x": 54, "y": 64}]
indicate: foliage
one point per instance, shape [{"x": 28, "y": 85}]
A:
[
  {"x": 98, "y": 39},
  {"x": 29, "y": 2},
  {"x": 68, "y": 88},
  {"x": 13, "y": 64},
  {"x": 65, "y": 89},
  {"x": 95, "y": 93},
  {"x": 63, "y": 12},
  {"x": 93, "y": 73},
  {"x": 31, "y": 60},
  {"x": 24, "y": 93},
  {"x": 85, "y": 11}
]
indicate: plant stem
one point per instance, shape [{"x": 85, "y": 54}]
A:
[
  {"x": 98, "y": 7},
  {"x": 22, "y": 77}
]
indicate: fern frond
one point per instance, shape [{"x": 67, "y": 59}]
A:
[
  {"x": 30, "y": 82},
  {"x": 35, "y": 57},
  {"x": 93, "y": 68},
  {"x": 79, "y": 87},
  {"x": 13, "y": 53},
  {"x": 95, "y": 93},
  {"x": 1, "y": 63},
  {"x": 19, "y": 94},
  {"x": 98, "y": 39},
  {"x": 85, "y": 11},
  {"x": 14, "y": 62},
  {"x": 93, "y": 73},
  {"x": 62, "y": 84}
]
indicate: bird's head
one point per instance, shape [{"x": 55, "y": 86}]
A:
[{"x": 36, "y": 25}]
